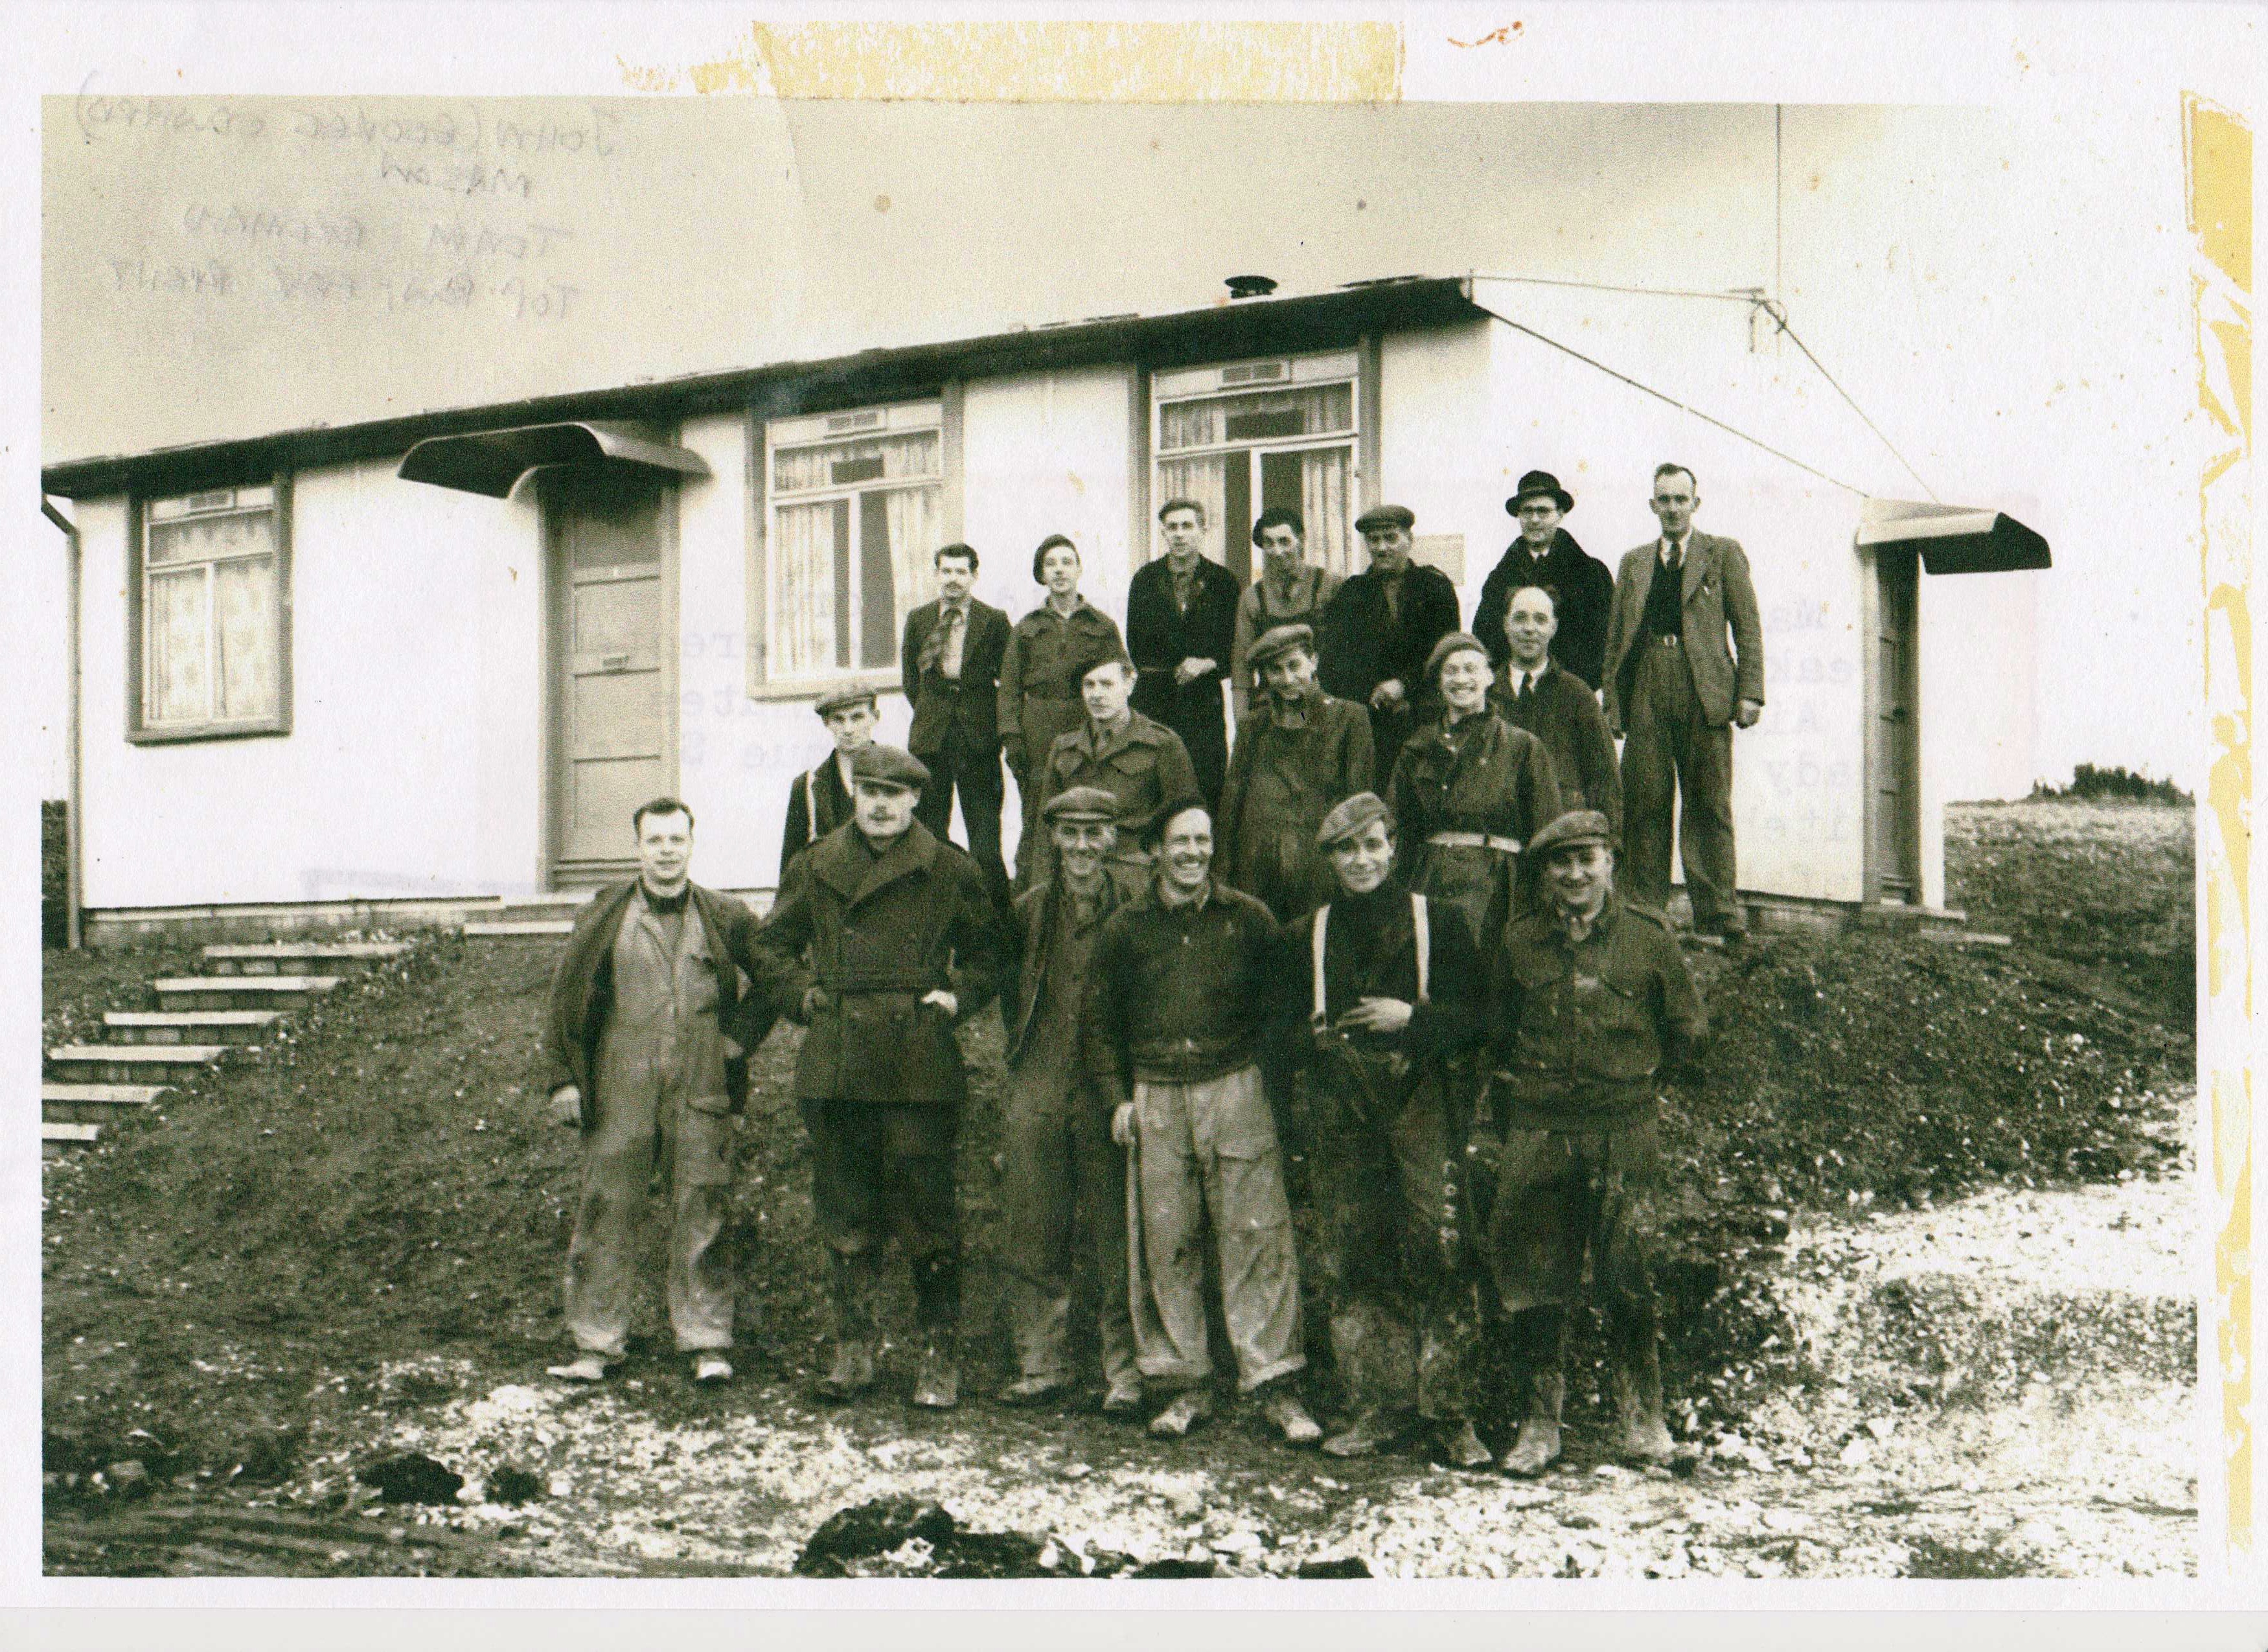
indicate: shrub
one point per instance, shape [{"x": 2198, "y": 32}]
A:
[
  {"x": 55, "y": 871},
  {"x": 2089, "y": 783}
]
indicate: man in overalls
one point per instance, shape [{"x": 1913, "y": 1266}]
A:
[{"x": 644, "y": 1038}]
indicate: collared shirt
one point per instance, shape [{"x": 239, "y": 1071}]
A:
[
  {"x": 1672, "y": 552},
  {"x": 1522, "y": 682},
  {"x": 1184, "y": 582}
]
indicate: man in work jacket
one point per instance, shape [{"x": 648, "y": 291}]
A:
[
  {"x": 819, "y": 800},
  {"x": 644, "y": 1043},
  {"x": 887, "y": 940},
  {"x": 1140, "y": 763},
  {"x": 1290, "y": 591},
  {"x": 1590, "y": 1009},
  {"x": 1380, "y": 628},
  {"x": 1060, "y": 1170},
  {"x": 1393, "y": 988},
  {"x": 1299, "y": 754},
  {"x": 1181, "y": 630}
]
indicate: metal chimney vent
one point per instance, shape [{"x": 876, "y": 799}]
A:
[{"x": 1250, "y": 286}]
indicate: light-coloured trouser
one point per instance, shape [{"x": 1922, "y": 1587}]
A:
[
  {"x": 1210, "y": 1149},
  {"x": 694, "y": 1146},
  {"x": 1062, "y": 1171}
]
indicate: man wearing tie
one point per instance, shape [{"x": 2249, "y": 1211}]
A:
[
  {"x": 1675, "y": 691},
  {"x": 1536, "y": 692},
  {"x": 951, "y": 667}
]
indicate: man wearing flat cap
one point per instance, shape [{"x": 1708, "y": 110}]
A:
[
  {"x": 1591, "y": 1010},
  {"x": 886, "y": 941},
  {"x": 1546, "y": 553},
  {"x": 1139, "y": 761},
  {"x": 819, "y": 800},
  {"x": 1290, "y": 591},
  {"x": 1299, "y": 753},
  {"x": 1061, "y": 1174},
  {"x": 1380, "y": 628},
  {"x": 1392, "y": 992}
]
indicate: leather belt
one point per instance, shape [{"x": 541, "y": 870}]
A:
[{"x": 1475, "y": 840}]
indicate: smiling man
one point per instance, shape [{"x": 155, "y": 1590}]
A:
[{"x": 1137, "y": 760}]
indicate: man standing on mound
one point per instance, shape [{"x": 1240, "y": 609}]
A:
[{"x": 645, "y": 1042}]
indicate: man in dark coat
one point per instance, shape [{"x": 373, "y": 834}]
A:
[
  {"x": 1546, "y": 553},
  {"x": 644, "y": 1045},
  {"x": 950, "y": 665},
  {"x": 819, "y": 800},
  {"x": 1379, "y": 629},
  {"x": 1677, "y": 692},
  {"x": 1181, "y": 630},
  {"x": 1140, "y": 763},
  {"x": 1060, "y": 1171},
  {"x": 1298, "y": 755},
  {"x": 1534, "y": 692},
  {"x": 886, "y": 941}
]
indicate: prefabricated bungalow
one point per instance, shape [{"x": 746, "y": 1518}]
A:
[{"x": 372, "y": 674}]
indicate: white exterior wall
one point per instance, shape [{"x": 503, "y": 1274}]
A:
[
  {"x": 1440, "y": 445},
  {"x": 411, "y": 766}
]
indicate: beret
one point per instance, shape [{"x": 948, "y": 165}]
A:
[
  {"x": 1454, "y": 643},
  {"x": 889, "y": 765},
  {"x": 1153, "y": 833},
  {"x": 1081, "y": 802},
  {"x": 1385, "y": 516},
  {"x": 1352, "y": 817},
  {"x": 1278, "y": 639},
  {"x": 836, "y": 699},
  {"x": 1577, "y": 826}
]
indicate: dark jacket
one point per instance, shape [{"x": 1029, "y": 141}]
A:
[
  {"x": 1719, "y": 597},
  {"x": 1028, "y": 963},
  {"x": 1144, "y": 765},
  {"x": 1564, "y": 715},
  {"x": 1039, "y": 678},
  {"x": 1178, "y": 995},
  {"x": 1494, "y": 779},
  {"x": 1281, "y": 782},
  {"x": 1583, "y": 1030},
  {"x": 1159, "y": 636},
  {"x": 822, "y": 786},
  {"x": 1362, "y": 646},
  {"x": 876, "y": 933},
  {"x": 1586, "y": 592},
  {"x": 969, "y": 710},
  {"x": 583, "y": 988},
  {"x": 1369, "y": 951}
]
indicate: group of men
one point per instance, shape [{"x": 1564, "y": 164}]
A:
[{"x": 1195, "y": 939}]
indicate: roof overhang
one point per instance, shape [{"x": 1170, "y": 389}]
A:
[
  {"x": 494, "y": 462},
  {"x": 1952, "y": 538}
]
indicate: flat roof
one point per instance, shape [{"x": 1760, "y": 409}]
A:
[{"x": 1224, "y": 330}]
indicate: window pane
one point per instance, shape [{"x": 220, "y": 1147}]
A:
[
  {"x": 915, "y": 519},
  {"x": 915, "y": 453},
  {"x": 1266, "y": 415},
  {"x": 244, "y": 596},
  {"x": 1325, "y": 474},
  {"x": 174, "y": 619},
  {"x": 199, "y": 537},
  {"x": 807, "y": 541}
]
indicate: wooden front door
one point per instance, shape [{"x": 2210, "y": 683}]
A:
[
  {"x": 1893, "y": 807},
  {"x": 614, "y": 734}
]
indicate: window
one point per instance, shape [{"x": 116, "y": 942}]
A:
[
  {"x": 211, "y": 606},
  {"x": 1254, "y": 435},
  {"x": 856, "y": 514}
]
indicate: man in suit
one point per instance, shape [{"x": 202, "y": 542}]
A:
[
  {"x": 1546, "y": 553},
  {"x": 951, "y": 667},
  {"x": 819, "y": 800},
  {"x": 1379, "y": 629},
  {"x": 645, "y": 1044},
  {"x": 1533, "y": 692},
  {"x": 1180, "y": 629},
  {"x": 1674, "y": 691}
]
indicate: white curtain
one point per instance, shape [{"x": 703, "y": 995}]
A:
[
  {"x": 915, "y": 454},
  {"x": 1324, "y": 475},
  {"x": 1325, "y": 407},
  {"x": 244, "y": 598},
  {"x": 174, "y": 619},
  {"x": 1205, "y": 480},
  {"x": 803, "y": 553},
  {"x": 916, "y": 521}
]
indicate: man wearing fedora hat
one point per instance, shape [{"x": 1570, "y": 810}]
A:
[
  {"x": 1546, "y": 553},
  {"x": 819, "y": 800},
  {"x": 1299, "y": 754}
]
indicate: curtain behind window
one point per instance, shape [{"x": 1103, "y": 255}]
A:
[
  {"x": 1205, "y": 480},
  {"x": 1325, "y": 478},
  {"x": 805, "y": 552},
  {"x": 174, "y": 619},
  {"x": 916, "y": 521}
]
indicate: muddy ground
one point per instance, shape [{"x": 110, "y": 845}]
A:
[{"x": 347, "y": 1248}]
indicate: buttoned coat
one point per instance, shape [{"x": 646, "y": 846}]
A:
[
  {"x": 1281, "y": 782},
  {"x": 582, "y": 990},
  {"x": 876, "y": 933},
  {"x": 1160, "y": 636},
  {"x": 1497, "y": 780},
  {"x": 1563, "y": 714},
  {"x": 1720, "y": 599},
  {"x": 1039, "y": 699},
  {"x": 969, "y": 711},
  {"x": 1586, "y": 593},
  {"x": 1362, "y": 645}
]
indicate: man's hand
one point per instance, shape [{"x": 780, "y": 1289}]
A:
[
  {"x": 1386, "y": 693},
  {"x": 815, "y": 999},
  {"x": 1377, "y": 1016},
  {"x": 1121, "y": 1125},
  {"x": 1747, "y": 712},
  {"x": 567, "y": 1105},
  {"x": 1190, "y": 669},
  {"x": 950, "y": 1003}
]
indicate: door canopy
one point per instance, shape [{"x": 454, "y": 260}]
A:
[
  {"x": 492, "y": 462},
  {"x": 1952, "y": 538}
]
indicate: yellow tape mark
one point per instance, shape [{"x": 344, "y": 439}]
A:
[
  {"x": 2217, "y": 152},
  {"x": 1347, "y": 62}
]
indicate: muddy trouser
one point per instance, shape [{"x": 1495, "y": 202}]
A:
[
  {"x": 1566, "y": 1196},
  {"x": 692, "y": 1143},
  {"x": 1062, "y": 1171},
  {"x": 880, "y": 1169},
  {"x": 1210, "y": 1149},
  {"x": 1671, "y": 749},
  {"x": 1389, "y": 1194}
]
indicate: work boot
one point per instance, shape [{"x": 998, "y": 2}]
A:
[
  {"x": 1462, "y": 1447},
  {"x": 1283, "y": 1408},
  {"x": 1033, "y": 1390},
  {"x": 852, "y": 1371},
  {"x": 1537, "y": 1449},
  {"x": 1189, "y": 1407},
  {"x": 584, "y": 1368},
  {"x": 1369, "y": 1433},
  {"x": 1643, "y": 1437},
  {"x": 1123, "y": 1399},
  {"x": 711, "y": 1368},
  {"x": 937, "y": 1307}
]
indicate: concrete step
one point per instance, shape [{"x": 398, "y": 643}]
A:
[
  {"x": 525, "y": 909},
  {"x": 517, "y": 929},
  {"x": 95, "y": 1103},
  {"x": 129, "y": 1063},
  {"x": 190, "y": 1026},
  {"x": 294, "y": 958},
  {"x": 58, "y": 1140},
  {"x": 241, "y": 991}
]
